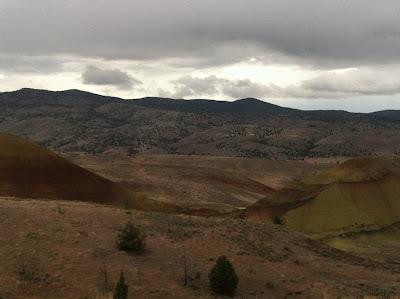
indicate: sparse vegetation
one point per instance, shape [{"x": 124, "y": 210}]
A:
[
  {"x": 161, "y": 274},
  {"x": 60, "y": 240},
  {"x": 60, "y": 209},
  {"x": 131, "y": 239},
  {"x": 265, "y": 132},
  {"x": 28, "y": 269},
  {"x": 223, "y": 278},
  {"x": 270, "y": 285}
]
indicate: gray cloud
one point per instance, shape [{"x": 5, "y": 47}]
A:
[
  {"x": 317, "y": 32},
  {"x": 363, "y": 81},
  {"x": 96, "y": 76},
  {"x": 189, "y": 87},
  {"x": 383, "y": 81},
  {"x": 28, "y": 64},
  {"x": 176, "y": 37}
]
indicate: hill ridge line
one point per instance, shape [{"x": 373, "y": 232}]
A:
[{"x": 245, "y": 100}]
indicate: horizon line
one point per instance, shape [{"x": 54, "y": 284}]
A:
[{"x": 192, "y": 99}]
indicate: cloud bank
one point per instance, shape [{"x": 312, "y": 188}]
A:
[
  {"x": 320, "y": 32},
  {"x": 333, "y": 85},
  {"x": 182, "y": 48}
]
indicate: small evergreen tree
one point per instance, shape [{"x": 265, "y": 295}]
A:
[
  {"x": 278, "y": 220},
  {"x": 223, "y": 278},
  {"x": 131, "y": 239},
  {"x": 121, "y": 289}
]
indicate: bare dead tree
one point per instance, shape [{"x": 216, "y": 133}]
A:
[
  {"x": 185, "y": 270},
  {"x": 104, "y": 285}
]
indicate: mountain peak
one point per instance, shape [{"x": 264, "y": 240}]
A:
[
  {"x": 30, "y": 90},
  {"x": 253, "y": 100}
]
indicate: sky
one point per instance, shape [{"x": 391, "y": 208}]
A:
[{"x": 307, "y": 54}]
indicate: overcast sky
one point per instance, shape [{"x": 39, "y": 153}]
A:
[{"x": 311, "y": 54}]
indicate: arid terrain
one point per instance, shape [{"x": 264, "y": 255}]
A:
[
  {"x": 198, "y": 180},
  {"x": 199, "y": 149},
  {"x": 56, "y": 250},
  {"x": 56, "y": 246}
]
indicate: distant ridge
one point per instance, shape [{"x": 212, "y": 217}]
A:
[
  {"x": 241, "y": 106},
  {"x": 80, "y": 121},
  {"x": 249, "y": 104}
]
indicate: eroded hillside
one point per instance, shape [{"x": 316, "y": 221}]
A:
[{"x": 354, "y": 206}]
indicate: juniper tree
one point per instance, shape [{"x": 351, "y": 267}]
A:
[
  {"x": 278, "y": 220},
  {"x": 223, "y": 278},
  {"x": 121, "y": 289},
  {"x": 131, "y": 239}
]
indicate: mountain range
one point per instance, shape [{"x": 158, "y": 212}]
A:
[{"x": 78, "y": 121}]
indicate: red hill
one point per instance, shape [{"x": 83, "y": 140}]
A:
[{"x": 30, "y": 171}]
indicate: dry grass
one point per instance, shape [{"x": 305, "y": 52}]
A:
[{"x": 63, "y": 253}]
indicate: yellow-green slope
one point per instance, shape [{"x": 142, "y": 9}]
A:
[
  {"x": 359, "y": 195},
  {"x": 344, "y": 207}
]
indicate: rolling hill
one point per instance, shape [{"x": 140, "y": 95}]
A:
[
  {"x": 359, "y": 195},
  {"x": 359, "y": 198},
  {"x": 30, "y": 171},
  {"x": 77, "y": 121}
]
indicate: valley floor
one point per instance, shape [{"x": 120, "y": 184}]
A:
[{"x": 201, "y": 181}]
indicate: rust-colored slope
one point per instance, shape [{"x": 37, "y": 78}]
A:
[{"x": 30, "y": 171}]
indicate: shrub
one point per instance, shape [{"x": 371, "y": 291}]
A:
[
  {"x": 270, "y": 285},
  {"x": 131, "y": 239},
  {"x": 28, "y": 269},
  {"x": 278, "y": 220},
  {"x": 121, "y": 289},
  {"x": 223, "y": 279}
]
